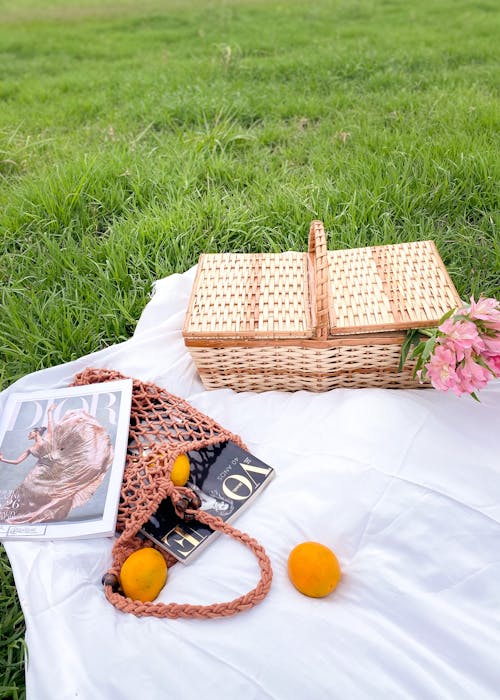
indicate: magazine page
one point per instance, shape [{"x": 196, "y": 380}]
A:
[
  {"x": 62, "y": 456},
  {"x": 226, "y": 478}
]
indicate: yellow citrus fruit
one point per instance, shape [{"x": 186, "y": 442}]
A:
[
  {"x": 143, "y": 574},
  {"x": 313, "y": 569},
  {"x": 180, "y": 470}
]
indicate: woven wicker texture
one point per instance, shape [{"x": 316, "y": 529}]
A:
[
  {"x": 163, "y": 426},
  {"x": 319, "y": 279},
  {"x": 388, "y": 287},
  {"x": 250, "y": 296},
  {"x": 292, "y": 368},
  {"x": 351, "y": 307}
]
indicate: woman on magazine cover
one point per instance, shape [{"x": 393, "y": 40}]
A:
[{"x": 73, "y": 456}]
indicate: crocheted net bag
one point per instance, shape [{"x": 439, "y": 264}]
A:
[{"x": 163, "y": 426}]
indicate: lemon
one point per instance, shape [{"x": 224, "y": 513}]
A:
[
  {"x": 313, "y": 569},
  {"x": 180, "y": 470},
  {"x": 143, "y": 574}
]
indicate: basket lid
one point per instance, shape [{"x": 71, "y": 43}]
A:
[
  {"x": 383, "y": 288},
  {"x": 243, "y": 295}
]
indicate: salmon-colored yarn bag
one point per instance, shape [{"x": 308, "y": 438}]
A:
[{"x": 163, "y": 426}]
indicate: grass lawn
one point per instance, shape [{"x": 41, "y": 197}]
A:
[{"x": 134, "y": 136}]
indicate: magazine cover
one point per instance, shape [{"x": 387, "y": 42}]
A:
[
  {"x": 62, "y": 455},
  {"x": 226, "y": 478}
]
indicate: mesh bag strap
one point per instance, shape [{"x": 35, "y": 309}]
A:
[{"x": 163, "y": 426}]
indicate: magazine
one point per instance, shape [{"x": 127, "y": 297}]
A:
[
  {"x": 62, "y": 456},
  {"x": 226, "y": 478}
]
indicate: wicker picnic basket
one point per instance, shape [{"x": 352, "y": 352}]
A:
[{"x": 317, "y": 320}]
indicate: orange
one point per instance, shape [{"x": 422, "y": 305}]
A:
[
  {"x": 180, "y": 470},
  {"x": 143, "y": 574},
  {"x": 313, "y": 569}
]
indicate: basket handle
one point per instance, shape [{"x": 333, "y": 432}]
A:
[{"x": 320, "y": 281}]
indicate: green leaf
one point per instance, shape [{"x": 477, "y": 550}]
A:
[
  {"x": 484, "y": 364},
  {"x": 418, "y": 350},
  {"x": 428, "y": 349},
  {"x": 412, "y": 338},
  {"x": 447, "y": 315}
]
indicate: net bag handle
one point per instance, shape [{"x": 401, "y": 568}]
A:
[
  {"x": 147, "y": 482},
  {"x": 128, "y": 541},
  {"x": 318, "y": 255}
]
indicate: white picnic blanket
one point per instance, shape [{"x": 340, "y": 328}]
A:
[{"x": 403, "y": 485}]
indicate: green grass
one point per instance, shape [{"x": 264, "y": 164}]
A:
[{"x": 133, "y": 137}]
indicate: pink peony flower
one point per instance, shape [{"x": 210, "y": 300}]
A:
[
  {"x": 487, "y": 310},
  {"x": 460, "y": 377},
  {"x": 461, "y": 337},
  {"x": 491, "y": 345},
  {"x": 464, "y": 349},
  {"x": 471, "y": 376},
  {"x": 441, "y": 368}
]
